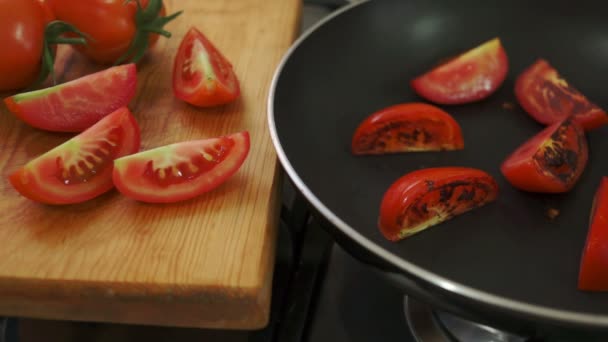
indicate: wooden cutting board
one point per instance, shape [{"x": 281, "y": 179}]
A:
[{"x": 206, "y": 262}]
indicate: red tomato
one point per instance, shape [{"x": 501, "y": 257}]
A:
[
  {"x": 548, "y": 98},
  {"x": 202, "y": 76},
  {"x": 407, "y": 128},
  {"x": 118, "y": 31},
  {"x": 472, "y": 76},
  {"x": 81, "y": 168},
  {"x": 550, "y": 162},
  {"x": 22, "y": 25},
  {"x": 593, "y": 274},
  {"x": 180, "y": 171},
  {"x": 46, "y": 10},
  {"x": 76, "y": 105},
  {"x": 427, "y": 197}
]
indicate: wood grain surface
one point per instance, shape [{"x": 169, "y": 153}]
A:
[{"x": 206, "y": 262}]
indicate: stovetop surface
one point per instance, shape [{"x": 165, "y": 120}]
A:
[{"x": 355, "y": 304}]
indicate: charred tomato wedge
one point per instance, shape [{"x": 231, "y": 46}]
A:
[
  {"x": 81, "y": 168},
  {"x": 182, "y": 170},
  {"x": 469, "y": 77},
  {"x": 548, "y": 98},
  {"x": 76, "y": 105},
  {"x": 594, "y": 261},
  {"x": 551, "y": 161},
  {"x": 407, "y": 127},
  {"x": 202, "y": 76},
  {"x": 427, "y": 197}
]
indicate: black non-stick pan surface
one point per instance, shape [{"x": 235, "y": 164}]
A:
[{"x": 508, "y": 254}]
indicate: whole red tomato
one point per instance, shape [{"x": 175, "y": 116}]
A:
[
  {"x": 22, "y": 25},
  {"x": 119, "y": 30}
]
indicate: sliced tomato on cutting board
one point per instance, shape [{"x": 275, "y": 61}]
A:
[
  {"x": 202, "y": 76},
  {"x": 427, "y": 197},
  {"x": 593, "y": 275},
  {"x": 81, "y": 168},
  {"x": 408, "y": 127},
  {"x": 548, "y": 98},
  {"x": 76, "y": 105},
  {"x": 471, "y": 76},
  {"x": 180, "y": 171},
  {"x": 551, "y": 161}
]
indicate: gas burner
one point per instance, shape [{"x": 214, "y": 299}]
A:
[{"x": 429, "y": 325}]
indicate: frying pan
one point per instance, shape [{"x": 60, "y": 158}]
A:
[{"x": 507, "y": 260}]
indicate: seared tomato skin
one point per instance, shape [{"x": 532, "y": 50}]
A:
[
  {"x": 22, "y": 25},
  {"x": 550, "y": 162},
  {"x": 470, "y": 77},
  {"x": 426, "y": 197},
  {"x": 182, "y": 170},
  {"x": 202, "y": 76},
  {"x": 407, "y": 128},
  {"x": 76, "y": 105},
  {"x": 81, "y": 168},
  {"x": 594, "y": 260},
  {"x": 548, "y": 98}
]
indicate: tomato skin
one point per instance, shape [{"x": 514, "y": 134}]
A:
[
  {"x": 22, "y": 25},
  {"x": 180, "y": 171},
  {"x": 81, "y": 168},
  {"x": 594, "y": 261},
  {"x": 548, "y": 98},
  {"x": 470, "y": 77},
  {"x": 76, "y": 105},
  {"x": 426, "y": 197},
  {"x": 110, "y": 24},
  {"x": 552, "y": 161},
  {"x": 202, "y": 76},
  {"x": 408, "y": 127}
]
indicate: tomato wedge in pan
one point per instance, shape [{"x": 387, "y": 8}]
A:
[
  {"x": 551, "y": 161},
  {"x": 76, "y": 105},
  {"x": 202, "y": 76},
  {"x": 593, "y": 275},
  {"x": 548, "y": 98},
  {"x": 427, "y": 197},
  {"x": 180, "y": 171},
  {"x": 471, "y": 76},
  {"x": 407, "y": 127},
  {"x": 81, "y": 168}
]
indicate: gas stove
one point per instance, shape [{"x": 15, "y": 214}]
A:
[{"x": 337, "y": 298}]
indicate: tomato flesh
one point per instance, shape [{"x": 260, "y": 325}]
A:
[
  {"x": 202, "y": 76},
  {"x": 427, "y": 197},
  {"x": 81, "y": 168},
  {"x": 593, "y": 275},
  {"x": 470, "y": 77},
  {"x": 180, "y": 171},
  {"x": 407, "y": 127},
  {"x": 550, "y": 162},
  {"x": 548, "y": 98},
  {"x": 76, "y": 105}
]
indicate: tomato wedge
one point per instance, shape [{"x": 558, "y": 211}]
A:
[
  {"x": 472, "y": 76},
  {"x": 81, "y": 168},
  {"x": 180, "y": 171},
  {"x": 202, "y": 76},
  {"x": 427, "y": 197},
  {"x": 550, "y": 162},
  {"x": 548, "y": 98},
  {"x": 593, "y": 275},
  {"x": 76, "y": 105},
  {"x": 407, "y": 127}
]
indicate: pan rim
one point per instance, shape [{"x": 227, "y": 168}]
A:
[{"x": 467, "y": 292}]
